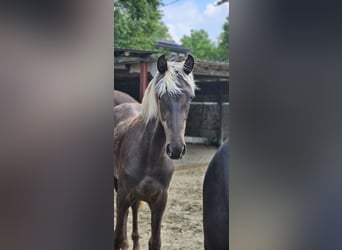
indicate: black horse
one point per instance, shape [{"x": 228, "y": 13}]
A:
[{"x": 216, "y": 202}]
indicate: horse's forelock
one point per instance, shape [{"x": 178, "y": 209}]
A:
[
  {"x": 170, "y": 83},
  {"x": 162, "y": 84}
]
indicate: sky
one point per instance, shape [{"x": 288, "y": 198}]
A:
[{"x": 180, "y": 16}]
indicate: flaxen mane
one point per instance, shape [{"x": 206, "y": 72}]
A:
[{"x": 165, "y": 83}]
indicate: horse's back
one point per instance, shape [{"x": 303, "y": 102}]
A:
[
  {"x": 124, "y": 114},
  {"x": 121, "y": 97},
  {"x": 126, "y": 111},
  {"x": 216, "y": 201}
]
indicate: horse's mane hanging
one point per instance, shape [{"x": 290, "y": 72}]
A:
[{"x": 165, "y": 83}]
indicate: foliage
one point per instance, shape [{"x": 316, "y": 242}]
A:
[
  {"x": 137, "y": 24},
  {"x": 202, "y": 47},
  {"x": 222, "y": 51},
  {"x": 200, "y": 44}
]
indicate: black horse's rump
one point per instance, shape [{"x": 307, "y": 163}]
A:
[{"x": 216, "y": 201}]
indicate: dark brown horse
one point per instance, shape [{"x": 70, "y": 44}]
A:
[
  {"x": 146, "y": 138},
  {"x": 121, "y": 97}
]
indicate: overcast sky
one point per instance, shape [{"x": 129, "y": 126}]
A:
[{"x": 180, "y": 16}]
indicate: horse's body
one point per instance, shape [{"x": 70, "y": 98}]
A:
[
  {"x": 216, "y": 202},
  {"x": 121, "y": 97},
  {"x": 145, "y": 138}
]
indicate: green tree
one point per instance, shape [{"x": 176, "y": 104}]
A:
[
  {"x": 200, "y": 44},
  {"x": 137, "y": 24},
  {"x": 222, "y": 52}
]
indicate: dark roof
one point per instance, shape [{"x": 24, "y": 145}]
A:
[
  {"x": 133, "y": 52},
  {"x": 122, "y": 55},
  {"x": 171, "y": 45},
  {"x": 204, "y": 69}
]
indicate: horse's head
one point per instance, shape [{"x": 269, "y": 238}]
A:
[{"x": 172, "y": 91}]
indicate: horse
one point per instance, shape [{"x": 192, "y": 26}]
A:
[
  {"x": 216, "y": 201},
  {"x": 146, "y": 137},
  {"x": 121, "y": 97}
]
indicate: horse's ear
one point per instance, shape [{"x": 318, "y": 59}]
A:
[
  {"x": 189, "y": 64},
  {"x": 162, "y": 64}
]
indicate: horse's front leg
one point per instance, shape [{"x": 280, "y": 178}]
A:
[
  {"x": 120, "y": 233},
  {"x": 135, "y": 233},
  {"x": 157, "y": 211}
]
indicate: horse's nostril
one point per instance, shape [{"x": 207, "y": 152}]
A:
[
  {"x": 168, "y": 152},
  {"x": 184, "y": 150}
]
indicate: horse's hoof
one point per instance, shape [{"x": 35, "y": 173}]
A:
[
  {"x": 136, "y": 247},
  {"x": 124, "y": 245},
  {"x": 154, "y": 245}
]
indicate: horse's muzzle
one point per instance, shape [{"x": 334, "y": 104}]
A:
[{"x": 175, "y": 151}]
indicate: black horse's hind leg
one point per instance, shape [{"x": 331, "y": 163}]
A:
[
  {"x": 135, "y": 233},
  {"x": 120, "y": 233},
  {"x": 157, "y": 210}
]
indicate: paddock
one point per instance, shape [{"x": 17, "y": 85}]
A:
[{"x": 182, "y": 225}]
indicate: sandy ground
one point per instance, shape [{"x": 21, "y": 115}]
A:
[{"x": 182, "y": 221}]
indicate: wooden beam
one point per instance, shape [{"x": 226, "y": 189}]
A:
[{"x": 143, "y": 79}]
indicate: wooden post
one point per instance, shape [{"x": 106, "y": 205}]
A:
[
  {"x": 143, "y": 79},
  {"x": 220, "y": 103}
]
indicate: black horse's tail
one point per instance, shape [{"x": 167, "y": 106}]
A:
[{"x": 115, "y": 184}]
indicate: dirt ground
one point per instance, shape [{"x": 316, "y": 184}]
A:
[{"x": 182, "y": 221}]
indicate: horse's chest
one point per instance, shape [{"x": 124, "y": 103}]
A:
[{"x": 150, "y": 187}]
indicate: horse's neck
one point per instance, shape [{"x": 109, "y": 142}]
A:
[{"x": 157, "y": 137}]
